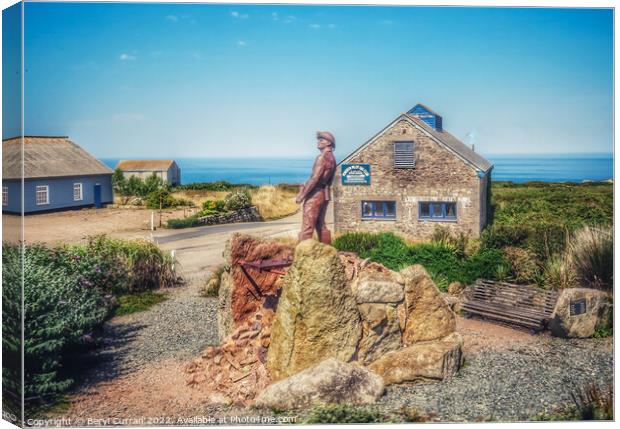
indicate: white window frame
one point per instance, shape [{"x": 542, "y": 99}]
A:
[
  {"x": 81, "y": 193},
  {"x": 5, "y": 195},
  {"x": 42, "y": 188}
]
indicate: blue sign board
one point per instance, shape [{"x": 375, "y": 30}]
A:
[{"x": 355, "y": 174}]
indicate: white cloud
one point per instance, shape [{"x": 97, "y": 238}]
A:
[
  {"x": 238, "y": 15},
  {"x": 274, "y": 16},
  {"x": 127, "y": 57},
  {"x": 290, "y": 19},
  {"x": 331, "y": 26},
  {"x": 241, "y": 43},
  {"x": 315, "y": 26},
  {"x": 172, "y": 18},
  {"x": 386, "y": 22}
]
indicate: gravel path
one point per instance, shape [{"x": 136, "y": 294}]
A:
[
  {"x": 511, "y": 384},
  {"x": 178, "y": 329}
]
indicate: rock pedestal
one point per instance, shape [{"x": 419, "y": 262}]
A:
[
  {"x": 597, "y": 313},
  {"x": 311, "y": 331},
  {"x": 317, "y": 317}
]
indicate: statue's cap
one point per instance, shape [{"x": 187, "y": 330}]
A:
[{"x": 327, "y": 136}]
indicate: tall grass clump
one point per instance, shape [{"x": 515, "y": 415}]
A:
[
  {"x": 359, "y": 242},
  {"x": 147, "y": 266},
  {"x": 591, "y": 254},
  {"x": 558, "y": 273},
  {"x": 274, "y": 202}
]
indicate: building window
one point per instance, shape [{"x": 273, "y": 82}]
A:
[
  {"x": 43, "y": 195},
  {"x": 5, "y": 196},
  {"x": 403, "y": 155},
  {"x": 378, "y": 209},
  {"x": 437, "y": 211},
  {"x": 77, "y": 192}
]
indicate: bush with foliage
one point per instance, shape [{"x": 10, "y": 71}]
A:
[
  {"x": 159, "y": 198},
  {"x": 359, "y": 242},
  {"x": 188, "y": 222},
  {"x": 61, "y": 312},
  {"x": 238, "y": 200},
  {"x": 211, "y": 287},
  {"x": 591, "y": 253},
  {"x": 444, "y": 263}
]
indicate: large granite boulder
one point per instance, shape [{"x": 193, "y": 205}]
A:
[
  {"x": 429, "y": 360},
  {"x": 428, "y": 316},
  {"x": 316, "y": 317},
  {"x": 380, "y": 331},
  {"x": 597, "y": 313},
  {"x": 331, "y": 381}
]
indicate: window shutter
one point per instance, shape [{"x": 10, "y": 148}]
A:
[{"x": 403, "y": 155}]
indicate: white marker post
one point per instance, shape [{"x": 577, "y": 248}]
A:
[
  {"x": 152, "y": 221},
  {"x": 173, "y": 254}
]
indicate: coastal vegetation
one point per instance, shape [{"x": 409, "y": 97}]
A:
[
  {"x": 554, "y": 235},
  {"x": 272, "y": 202},
  {"x": 69, "y": 291}
]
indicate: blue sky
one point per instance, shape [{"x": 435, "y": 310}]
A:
[{"x": 153, "y": 80}]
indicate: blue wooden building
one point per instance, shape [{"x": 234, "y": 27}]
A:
[{"x": 57, "y": 174}]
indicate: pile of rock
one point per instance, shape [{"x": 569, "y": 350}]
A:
[{"x": 342, "y": 329}]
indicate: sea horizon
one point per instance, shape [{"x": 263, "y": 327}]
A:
[{"x": 518, "y": 168}]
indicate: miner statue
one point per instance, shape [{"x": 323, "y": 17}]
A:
[{"x": 315, "y": 193}]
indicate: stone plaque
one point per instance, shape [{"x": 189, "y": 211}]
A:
[{"x": 577, "y": 307}]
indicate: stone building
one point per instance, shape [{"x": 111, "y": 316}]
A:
[
  {"x": 165, "y": 169},
  {"x": 411, "y": 177}
]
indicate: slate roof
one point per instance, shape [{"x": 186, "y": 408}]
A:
[
  {"x": 48, "y": 156},
  {"x": 443, "y": 137},
  {"x": 456, "y": 145},
  {"x": 145, "y": 165}
]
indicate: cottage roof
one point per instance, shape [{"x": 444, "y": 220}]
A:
[
  {"x": 442, "y": 137},
  {"x": 48, "y": 156},
  {"x": 145, "y": 164}
]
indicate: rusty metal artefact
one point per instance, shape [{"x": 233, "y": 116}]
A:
[
  {"x": 315, "y": 193},
  {"x": 265, "y": 265}
]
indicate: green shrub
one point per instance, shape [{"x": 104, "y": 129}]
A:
[
  {"x": 238, "y": 200},
  {"x": 591, "y": 253},
  {"x": 159, "y": 198},
  {"x": 60, "y": 313},
  {"x": 188, "y": 222},
  {"x": 390, "y": 251},
  {"x": 344, "y": 413},
  {"x": 11, "y": 328},
  {"x": 186, "y": 202},
  {"x": 499, "y": 236},
  {"x": 359, "y": 242},
  {"x": 214, "y": 206},
  {"x": 482, "y": 265}
]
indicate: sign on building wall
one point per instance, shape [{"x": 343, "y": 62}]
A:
[{"x": 355, "y": 174}]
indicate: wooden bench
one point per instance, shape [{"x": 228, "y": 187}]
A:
[{"x": 525, "y": 306}]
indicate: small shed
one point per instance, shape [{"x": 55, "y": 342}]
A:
[
  {"x": 166, "y": 169},
  {"x": 57, "y": 174}
]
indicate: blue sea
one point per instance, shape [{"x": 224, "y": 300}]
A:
[{"x": 516, "y": 168}]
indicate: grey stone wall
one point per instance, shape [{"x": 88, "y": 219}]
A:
[{"x": 439, "y": 175}]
